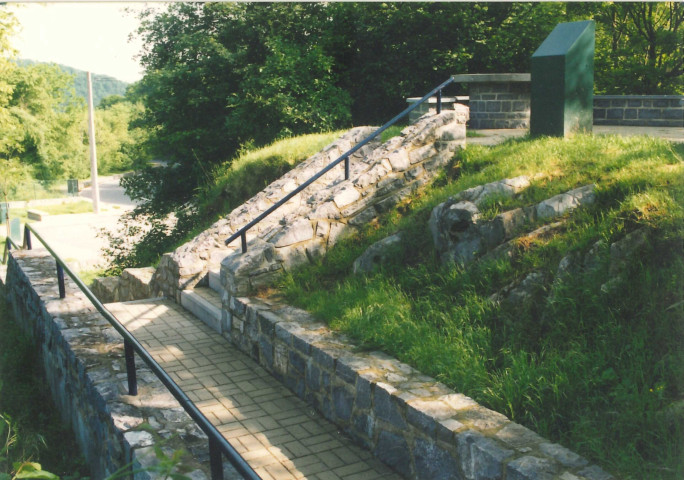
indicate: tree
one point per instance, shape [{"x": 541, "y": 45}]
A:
[
  {"x": 639, "y": 48},
  {"x": 222, "y": 75}
]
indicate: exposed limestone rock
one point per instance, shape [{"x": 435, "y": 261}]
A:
[
  {"x": 453, "y": 228},
  {"x": 517, "y": 294},
  {"x": 507, "y": 188},
  {"x": 376, "y": 254},
  {"x": 622, "y": 250},
  {"x": 459, "y": 234},
  {"x": 566, "y": 202}
]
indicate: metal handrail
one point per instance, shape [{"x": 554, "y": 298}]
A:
[
  {"x": 9, "y": 244},
  {"x": 217, "y": 443},
  {"x": 242, "y": 233}
]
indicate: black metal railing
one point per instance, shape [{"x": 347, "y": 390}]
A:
[
  {"x": 9, "y": 245},
  {"x": 242, "y": 233},
  {"x": 218, "y": 445}
]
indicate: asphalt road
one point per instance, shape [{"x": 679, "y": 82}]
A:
[{"x": 77, "y": 237}]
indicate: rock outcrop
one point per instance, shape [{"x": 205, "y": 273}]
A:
[{"x": 460, "y": 235}]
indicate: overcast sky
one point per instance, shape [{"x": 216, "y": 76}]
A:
[{"x": 85, "y": 35}]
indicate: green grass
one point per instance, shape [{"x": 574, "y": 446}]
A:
[
  {"x": 26, "y": 401},
  {"x": 253, "y": 170},
  {"x": 593, "y": 371}
]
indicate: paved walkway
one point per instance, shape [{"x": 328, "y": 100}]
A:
[
  {"x": 279, "y": 435},
  {"x": 493, "y": 137}
]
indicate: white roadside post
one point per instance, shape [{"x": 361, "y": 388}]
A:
[{"x": 95, "y": 189}]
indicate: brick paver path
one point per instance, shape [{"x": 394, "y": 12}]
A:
[{"x": 278, "y": 434}]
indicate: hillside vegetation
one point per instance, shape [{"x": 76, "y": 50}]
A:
[
  {"x": 595, "y": 360},
  {"x": 103, "y": 85}
]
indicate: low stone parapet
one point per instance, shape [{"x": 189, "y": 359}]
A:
[
  {"x": 408, "y": 420},
  {"x": 498, "y": 100},
  {"x": 639, "y": 110},
  {"x": 82, "y": 357},
  {"x": 132, "y": 284}
]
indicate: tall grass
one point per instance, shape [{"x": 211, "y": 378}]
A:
[{"x": 596, "y": 371}]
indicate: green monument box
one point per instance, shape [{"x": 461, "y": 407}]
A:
[{"x": 562, "y": 89}]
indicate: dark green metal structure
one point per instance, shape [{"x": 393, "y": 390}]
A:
[{"x": 562, "y": 89}]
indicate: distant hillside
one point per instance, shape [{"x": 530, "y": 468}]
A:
[{"x": 103, "y": 85}]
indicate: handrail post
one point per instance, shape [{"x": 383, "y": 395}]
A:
[
  {"x": 243, "y": 239},
  {"x": 215, "y": 460},
  {"x": 60, "y": 280},
  {"x": 439, "y": 101},
  {"x": 27, "y": 237},
  {"x": 346, "y": 167},
  {"x": 129, "y": 353},
  {"x": 8, "y": 247}
]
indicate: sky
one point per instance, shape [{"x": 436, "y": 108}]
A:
[{"x": 85, "y": 35}]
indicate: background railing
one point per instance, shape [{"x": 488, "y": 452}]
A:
[
  {"x": 242, "y": 233},
  {"x": 218, "y": 445}
]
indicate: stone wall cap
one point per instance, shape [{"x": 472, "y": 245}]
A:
[
  {"x": 638, "y": 97},
  {"x": 457, "y": 98},
  {"x": 492, "y": 77}
]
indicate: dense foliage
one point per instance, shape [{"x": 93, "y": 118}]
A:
[
  {"x": 224, "y": 75},
  {"x": 44, "y": 125},
  {"x": 103, "y": 85}
]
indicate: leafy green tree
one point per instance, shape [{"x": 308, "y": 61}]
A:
[
  {"x": 639, "y": 48},
  {"x": 224, "y": 75},
  {"x": 119, "y": 141}
]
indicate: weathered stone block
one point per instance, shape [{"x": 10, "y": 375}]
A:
[
  {"x": 385, "y": 407},
  {"x": 343, "y": 402},
  {"x": 433, "y": 462},
  {"x": 346, "y": 196},
  {"x": 564, "y": 456},
  {"x": 392, "y": 449},
  {"x": 530, "y": 468},
  {"x": 481, "y": 458},
  {"x": 399, "y": 160}
]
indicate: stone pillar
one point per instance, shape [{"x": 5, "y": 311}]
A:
[{"x": 498, "y": 100}]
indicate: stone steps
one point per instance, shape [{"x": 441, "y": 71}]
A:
[
  {"x": 205, "y": 304},
  {"x": 214, "y": 280}
]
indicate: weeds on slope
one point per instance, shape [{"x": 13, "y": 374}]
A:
[{"x": 600, "y": 371}]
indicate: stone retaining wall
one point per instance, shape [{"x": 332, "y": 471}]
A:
[
  {"x": 82, "y": 357},
  {"x": 377, "y": 182},
  {"x": 132, "y": 284},
  {"x": 190, "y": 263},
  {"x": 409, "y": 420},
  {"x": 639, "y": 110},
  {"x": 507, "y": 105},
  {"x": 499, "y": 105}
]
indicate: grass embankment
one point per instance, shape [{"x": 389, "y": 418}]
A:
[
  {"x": 594, "y": 371},
  {"x": 37, "y": 433},
  {"x": 253, "y": 170}
]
